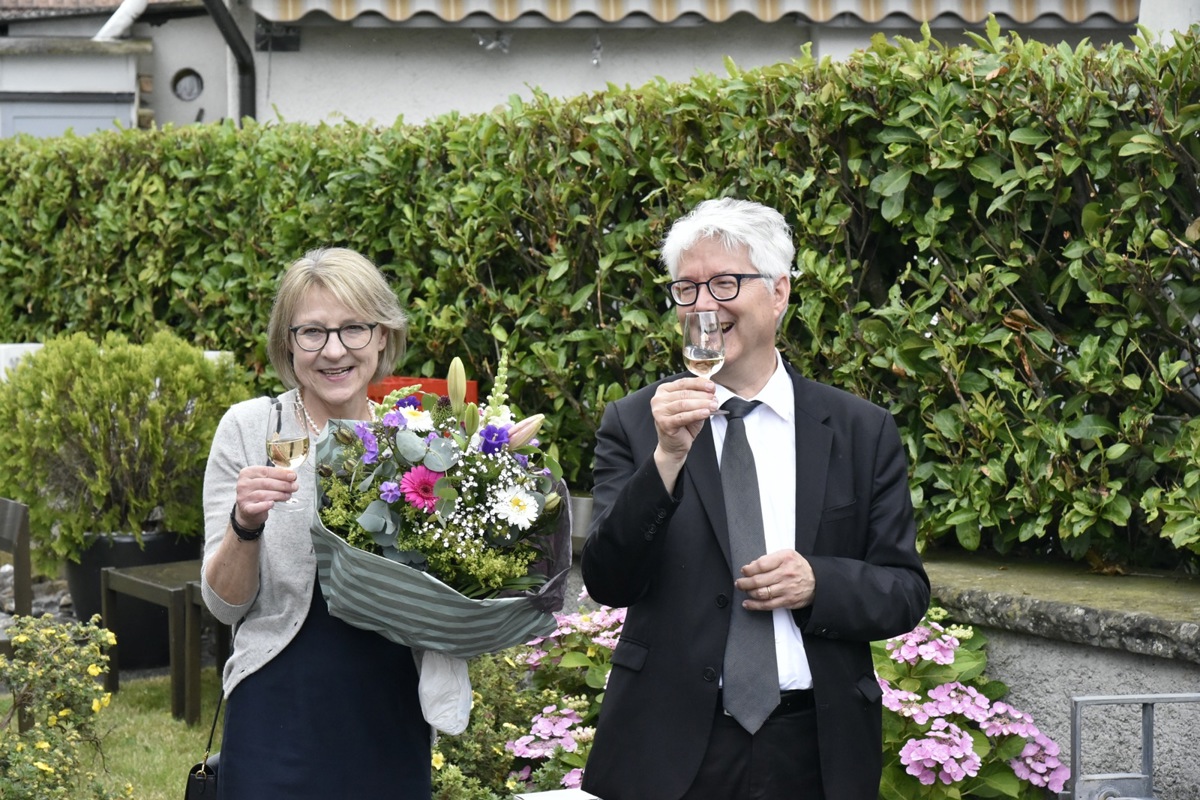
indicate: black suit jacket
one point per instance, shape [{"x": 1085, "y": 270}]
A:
[{"x": 666, "y": 557}]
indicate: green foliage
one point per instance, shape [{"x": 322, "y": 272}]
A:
[
  {"x": 52, "y": 674},
  {"x": 111, "y": 436},
  {"x": 997, "y": 242}
]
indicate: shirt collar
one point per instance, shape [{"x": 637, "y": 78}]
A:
[{"x": 778, "y": 395}]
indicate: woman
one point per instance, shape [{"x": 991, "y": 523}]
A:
[{"x": 316, "y": 708}]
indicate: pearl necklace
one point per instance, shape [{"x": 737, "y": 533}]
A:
[{"x": 311, "y": 423}]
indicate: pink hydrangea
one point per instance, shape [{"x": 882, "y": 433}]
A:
[
  {"x": 920, "y": 645},
  {"x": 954, "y": 698},
  {"x": 551, "y": 730},
  {"x": 1039, "y": 764},
  {"x": 947, "y": 753}
]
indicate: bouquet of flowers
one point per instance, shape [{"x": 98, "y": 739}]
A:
[{"x": 442, "y": 524}]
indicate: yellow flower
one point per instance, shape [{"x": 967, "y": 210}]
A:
[
  {"x": 96, "y": 705},
  {"x": 94, "y": 670},
  {"x": 43, "y": 766},
  {"x": 42, "y": 745},
  {"x": 439, "y": 760},
  {"x": 20, "y": 639}
]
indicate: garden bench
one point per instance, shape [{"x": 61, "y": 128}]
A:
[
  {"x": 175, "y": 586},
  {"x": 14, "y": 539}
]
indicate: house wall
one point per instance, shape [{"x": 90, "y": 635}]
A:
[
  {"x": 424, "y": 72},
  {"x": 371, "y": 71}
]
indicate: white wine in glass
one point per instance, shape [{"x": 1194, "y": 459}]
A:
[
  {"x": 287, "y": 441},
  {"x": 703, "y": 343}
]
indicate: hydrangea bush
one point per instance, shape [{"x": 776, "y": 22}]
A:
[
  {"x": 945, "y": 726},
  {"x": 947, "y": 735},
  {"x": 53, "y": 676}
]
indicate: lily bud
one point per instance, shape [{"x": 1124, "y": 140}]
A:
[
  {"x": 470, "y": 419},
  {"x": 521, "y": 433},
  {"x": 456, "y": 386},
  {"x": 552, "y": 501}
]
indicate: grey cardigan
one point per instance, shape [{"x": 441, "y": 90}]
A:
[{"x": 287, "y": 567}]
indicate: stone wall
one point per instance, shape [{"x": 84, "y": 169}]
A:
[{"x": 1057, "y": 631}]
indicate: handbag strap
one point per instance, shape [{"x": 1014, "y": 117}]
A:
[{"x": 213, "y": 731}]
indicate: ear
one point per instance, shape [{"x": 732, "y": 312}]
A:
[{"x": 781, "y": 292}]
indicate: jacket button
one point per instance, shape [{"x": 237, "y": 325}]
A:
[
  {"x": 710, "y": 674},
  {"x": 661, "y": 515},
  {"x": 650, "y": 531},
  {"x": 722, "y": 600}
]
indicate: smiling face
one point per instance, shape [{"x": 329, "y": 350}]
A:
[
  {"x": 334, "y": 379},
  {"x": 749, "y": 321}
]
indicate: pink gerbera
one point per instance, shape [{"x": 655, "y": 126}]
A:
[{"x": 417, "y": 485}]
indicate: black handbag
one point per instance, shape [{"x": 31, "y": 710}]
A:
[{"x": 202, "y": 778}]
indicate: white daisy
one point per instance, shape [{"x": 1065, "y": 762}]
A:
[
  {"x": 416, "y": 419},
  {"x": 515, "y": 506}
]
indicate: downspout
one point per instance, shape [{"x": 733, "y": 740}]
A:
[
  {"x": 121, "y": 21},
  {"x": 241, "y": 55}
]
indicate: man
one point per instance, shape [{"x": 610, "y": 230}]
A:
[{"x": 838, "y": 567}]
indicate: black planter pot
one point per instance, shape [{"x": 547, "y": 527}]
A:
[{"x": 141, "y": 627}]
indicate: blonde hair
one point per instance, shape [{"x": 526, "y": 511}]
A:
[{"x": 357, "y": 284}]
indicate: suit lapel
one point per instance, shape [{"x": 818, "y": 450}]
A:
[{"x": 814, "y": 443}]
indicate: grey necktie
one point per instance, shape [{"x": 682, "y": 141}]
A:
[{"x": 750, "y": 685}]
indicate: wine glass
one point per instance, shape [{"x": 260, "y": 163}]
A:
[
  {"x": 287, "y": 441},
  {"x": 703, "y": 343}
]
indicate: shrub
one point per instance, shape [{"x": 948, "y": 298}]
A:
[
  {"x": 52, "y": 674},
  {"x": 111, "y": 436}
]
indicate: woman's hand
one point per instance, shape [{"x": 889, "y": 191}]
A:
[{"x": 259, "y": 488}]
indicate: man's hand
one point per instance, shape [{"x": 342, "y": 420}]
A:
[
  {"x": 783, "y": 579},
  {"x": 680, "y": 409}
]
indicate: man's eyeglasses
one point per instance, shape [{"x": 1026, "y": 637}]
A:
[
  {"x": 354, "y": 336},
  {"x": 723, "y": 288}
]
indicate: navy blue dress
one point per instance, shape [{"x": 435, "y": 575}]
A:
[{"x": 335, "y": 715}]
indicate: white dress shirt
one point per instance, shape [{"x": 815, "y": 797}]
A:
[{"x": 771, "y": 431}]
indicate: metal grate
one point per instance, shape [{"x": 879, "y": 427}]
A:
[{"x": 1117, "y": 785}]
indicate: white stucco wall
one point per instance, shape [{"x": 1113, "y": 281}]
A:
[
  {"x": 424, "y": 72},
  {"x": 373, "y": 71}
]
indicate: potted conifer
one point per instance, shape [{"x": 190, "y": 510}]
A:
[{"x": 106, "y": 442}]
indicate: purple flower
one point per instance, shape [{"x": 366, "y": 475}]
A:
[
  {"x": 412, "y": 401},
  {"x": 492, "y": 439},
  {"x": 394, "y": 419},
  {"x": 390, "y": 491},
  {"x": 370, "y": 443}
]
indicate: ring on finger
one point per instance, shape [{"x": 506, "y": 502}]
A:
[{"x": 768, "y": 588}]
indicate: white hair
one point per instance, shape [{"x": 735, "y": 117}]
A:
[{"x": 761, "y": 230}]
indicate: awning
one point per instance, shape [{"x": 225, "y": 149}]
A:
[{"x": 668, "y": 11}]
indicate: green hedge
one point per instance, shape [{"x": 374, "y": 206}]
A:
[{"x": 997, "y": 241}]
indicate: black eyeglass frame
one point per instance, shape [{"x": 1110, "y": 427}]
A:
[
  {"x": 370, "y": 326},
  {"x": 739, "y": 276}
]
